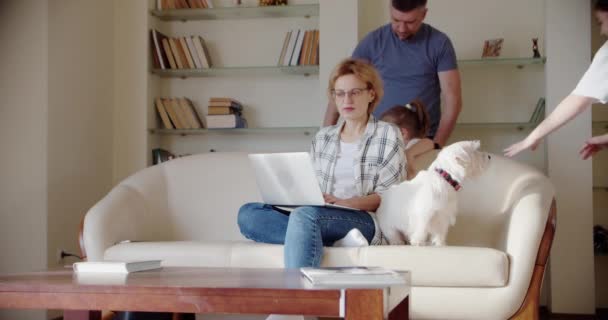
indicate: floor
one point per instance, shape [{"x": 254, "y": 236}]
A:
[{"x": 601, "y": 314}]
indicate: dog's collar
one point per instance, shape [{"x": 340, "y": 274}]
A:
[{"x": 449, "y": 178}]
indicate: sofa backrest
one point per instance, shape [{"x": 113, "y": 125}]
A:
[
  {"x": 486, "y": 202},
  {"x": 198, "y": 198}
]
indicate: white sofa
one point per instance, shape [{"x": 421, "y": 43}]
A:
[{"x": 184, "y": 212}]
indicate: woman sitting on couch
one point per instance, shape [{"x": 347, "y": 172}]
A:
[{"x": 354, "y": 161}]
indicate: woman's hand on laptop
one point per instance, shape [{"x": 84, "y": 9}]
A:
[
  {"x": 338, "y": 201},
  {"x": 330, "y": 198}
]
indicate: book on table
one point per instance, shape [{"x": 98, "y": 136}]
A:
[
  {"x": 115, "y": 266},
  {"x": 353, "y": 276}
]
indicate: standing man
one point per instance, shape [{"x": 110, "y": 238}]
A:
[{"x": 415, "y": 61}]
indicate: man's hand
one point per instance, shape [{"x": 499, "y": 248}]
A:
[
  {"x": 593, "y": 145},
  {"x": 527, "y": 143}
]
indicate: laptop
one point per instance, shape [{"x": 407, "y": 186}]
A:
[{"x": 288, "y": 180}]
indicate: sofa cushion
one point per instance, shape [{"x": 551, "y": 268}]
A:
[
  {"x": 430, "y": 266},
  {"x": 449, "y": 266}
]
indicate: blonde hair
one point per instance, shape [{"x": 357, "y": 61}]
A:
[
  {"x": 362, "y": 70},
  {"x": 412, "y": 116}
]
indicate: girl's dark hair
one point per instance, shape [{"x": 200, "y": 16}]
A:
[
  {"x": 407, "y": 5},
  {"x": 412, "y": 117},
  {"x": 601, "y": 5}
]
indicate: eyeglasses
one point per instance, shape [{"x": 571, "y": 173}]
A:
[{"x": 355, "y": 93}]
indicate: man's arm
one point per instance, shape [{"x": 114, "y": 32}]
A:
[
  {"x": 452, "y": 97},
  {"x": 331, "y": 114}
]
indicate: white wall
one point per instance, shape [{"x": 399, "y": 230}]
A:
[
  {"x": 55, "y": 127},
  {"x": 572, "y": 262},
  {"x": 130, "y": 87},
  {"x": 80, "y": 115},
  {"x": 23, "y": 129}
]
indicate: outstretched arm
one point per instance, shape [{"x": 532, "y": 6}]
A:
[
  {"x": 569, "y": 108},
  {"x": 452, "y": 95}
]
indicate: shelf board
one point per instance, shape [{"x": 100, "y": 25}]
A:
[
  {"x": 272, "y": 130},
  {"x": 600, "y": 188},
  {"x": 240, "y": 12},
  {"x": 519, "y": 62},
  {"x": 226, "y": 71}
]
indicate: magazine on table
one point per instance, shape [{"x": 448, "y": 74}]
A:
[
  {"x": 353, "y": 276},
  {"x": 115, "y": 266}
]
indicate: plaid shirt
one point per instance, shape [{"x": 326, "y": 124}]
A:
[{"x": 379, "y": 164}]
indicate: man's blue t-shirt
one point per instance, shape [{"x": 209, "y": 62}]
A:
[{"x": 409, "y": 67}]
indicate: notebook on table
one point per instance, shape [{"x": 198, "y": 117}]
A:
[{"x": 288, "y": 180}]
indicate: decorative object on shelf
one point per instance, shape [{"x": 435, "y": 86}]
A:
[
  {"x": 161, "y": 155},
  {"x": 273, "y": 3},
  {"x": 600, "y": 240},
  {"x": 535, "y": 48},
  {"x": 492, "y": 48}
]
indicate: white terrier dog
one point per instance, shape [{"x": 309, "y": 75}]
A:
[{"x": 427, "y": 205}]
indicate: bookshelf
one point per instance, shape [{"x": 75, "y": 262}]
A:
[{"x": 244, "y": 44}]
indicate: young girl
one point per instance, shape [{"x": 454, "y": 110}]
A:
[{"x": 413, "y": 121}]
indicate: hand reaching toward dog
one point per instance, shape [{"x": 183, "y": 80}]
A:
[
  {"x": 589, "y": 149},
  {"x": 527, "y": 143},
  {"x": 593, "y": 145}
]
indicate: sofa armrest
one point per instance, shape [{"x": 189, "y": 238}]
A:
[
  {"x": 529, "y": 237},
  {"x": 113, "y": 219}
]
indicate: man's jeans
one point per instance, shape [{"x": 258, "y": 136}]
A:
[{"x": 304, "y": 231}]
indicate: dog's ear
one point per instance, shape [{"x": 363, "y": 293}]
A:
[{"x": 475, "y": 144}]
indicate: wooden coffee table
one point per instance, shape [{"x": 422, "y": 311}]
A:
[{"x": 199, "y": 290}]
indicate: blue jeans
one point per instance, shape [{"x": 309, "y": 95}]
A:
[{"x": 304, "y": 231}]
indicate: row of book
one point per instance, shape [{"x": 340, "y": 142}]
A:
[
  {"x": 189, "y": 52},
  {"x": 183, "y": 4},
  {"x": 225, "y": 112},
  {"x": 300, "y": 47},
  {"x": 178, "y": 113}
]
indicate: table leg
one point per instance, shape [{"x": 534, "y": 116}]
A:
[
  {"x": 81, "y": 315},
  {"x": 401, "y": 311},
  {"x": 364, "y": 304}
]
